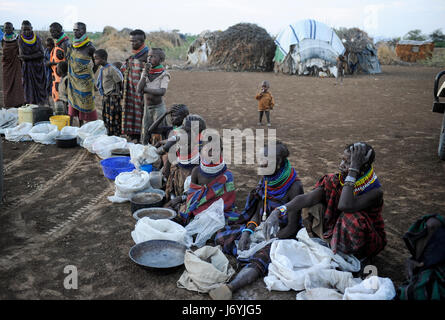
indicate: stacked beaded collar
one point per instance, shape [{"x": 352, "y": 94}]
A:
[
  {"x": 157, "y": 70},
  {"x": 62, "y": 38},
  {"x": 212, "y": 169},
  {"x": 278, "y": 184},
  {"x": 29, "y": 41},
  {"x": 188, "y": 161},
  {"x": 140, "y": 52},
  {"x": 367, "y": 182},
  {"x": 10, "y": 37},
  {"x": 81, "y": 42}
]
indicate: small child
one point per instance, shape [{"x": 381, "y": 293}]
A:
[
  {"x": 61, "y": 105},
  {"x": 47, "y": 61},
  {"x": 265, "y": 102},
  {"x": 340, "y": 69},
  {"x": 109, "y": 84}
]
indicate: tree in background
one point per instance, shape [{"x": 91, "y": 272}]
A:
[
  {"x": 437, "y": 35},
  {"x": 415, "y": 35}
]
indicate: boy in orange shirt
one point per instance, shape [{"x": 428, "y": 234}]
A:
[{"x": 265, "y": 102}]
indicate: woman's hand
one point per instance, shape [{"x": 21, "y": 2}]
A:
[
  {"x": 271, "y": 224},
  {"x": 358, "y": 156},
  {"x": 244, "y": 242}
]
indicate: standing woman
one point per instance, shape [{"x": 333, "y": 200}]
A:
[
  {"x": 62, "y": 43},
  {"x": 13, "y": 95},
  {"x": 33, "y": 68},
  {"x": 81, "y": 76}
]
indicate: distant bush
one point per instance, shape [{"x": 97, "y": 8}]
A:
[
  {"x": 437, "y": 60},
  {"x": 387, "y": 55},
  {"x": 439, "y": 44}
]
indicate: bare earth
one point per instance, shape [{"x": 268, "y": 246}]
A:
[{"x": 57, "y": 214}]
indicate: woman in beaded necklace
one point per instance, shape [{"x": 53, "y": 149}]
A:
[
  {"x": 345, "y": 209},
  {"x": 13, "y": 94},
  {"x": 33, "y": 68},
  {"x": 271, "y": 192}
]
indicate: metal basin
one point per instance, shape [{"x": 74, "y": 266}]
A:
[
  {"x": 159, "y": 255},
  {"x": 151, "y": 199},
  {"x": 154, "y": 213}
]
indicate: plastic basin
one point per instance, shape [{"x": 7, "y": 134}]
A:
[{"x": 111, "y": 167}]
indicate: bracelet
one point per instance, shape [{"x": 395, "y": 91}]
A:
[
  {"x": 246, "y": 229},
  {"x": 350, "y": 179},
  {"x": 355, "y": 170},
  {"x": 256, "y": 224},
  {"x": 349, "y": 184},
  {"x": 283, "y": 210}
]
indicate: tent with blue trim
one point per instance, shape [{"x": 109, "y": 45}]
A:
[{"x": 305, "y": 46}]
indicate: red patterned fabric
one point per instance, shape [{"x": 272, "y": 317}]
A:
[
  {"x": 133, "y": 101},
  {"x": 361, "y": 233}
]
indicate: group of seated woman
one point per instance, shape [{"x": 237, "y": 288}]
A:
[{"x": 343, "y": 209}]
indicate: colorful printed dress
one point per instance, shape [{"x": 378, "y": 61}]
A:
[
  {"x": 132, "y": 100},
  {"x": 56, "y": 78},
  {"x": 80, "y": 86}
]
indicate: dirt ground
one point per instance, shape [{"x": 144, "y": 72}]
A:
[{"x": 56, "y": 211}]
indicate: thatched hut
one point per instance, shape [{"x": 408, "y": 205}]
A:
[
  {"x": 242, "y": 47},
  {"x": 361, "y": 53},
  {"x": 411, "y": 50}
]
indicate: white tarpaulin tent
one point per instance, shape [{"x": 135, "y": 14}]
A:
[{"x": 306, "y": 44}]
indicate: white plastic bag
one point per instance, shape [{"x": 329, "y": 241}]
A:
[
  {"x": 141, "y": 154},
  {"x": 19, "y": 133},
  {"x": 105, "y": 144},
  {"x": 44, "y": 133},
  {"x": 162, "y": 229},
  {"x": 129, "y": 183},
  {"x": 69, "y": 131},
  {"x": 205, "y": 224},
  {"x": 205, "y": 269},
  {"x": 88, "y": 142},
  {"x": 8, "y": 119},
  {"x": 372, "y": 288},
  {"x": 187, "y": 182},
  {"x": 292, "y": 261},
  {"x": 92, "y": 128},
  {"x": 320, "y": 294}
]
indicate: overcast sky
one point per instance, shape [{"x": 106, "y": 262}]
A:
[{"x": 378, "y": 18}]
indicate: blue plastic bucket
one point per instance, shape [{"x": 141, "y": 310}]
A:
[
  {"x": 147, "y": 167},
  {"x": 111, "y": 167}
]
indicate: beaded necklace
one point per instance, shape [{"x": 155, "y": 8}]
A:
[
  {"x": 140, "y": 52},
  {"x": 9, "y": 37},
  {"x": 30, "y": 41},
  {"x": 81, "y": 42},
  {"x": 157, "y": 70},
  {"x": 212, "y": 170},
  {"x": 279, "y": 184},
  {"x": 367, "y": 182},
  {"x": 62, "y": 38}
]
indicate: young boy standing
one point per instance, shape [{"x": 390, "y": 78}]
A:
[
  {"x": 265, "y": 102},
  {"x": 109, "y": 84},
  {"x": 153, "y": 83}
]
